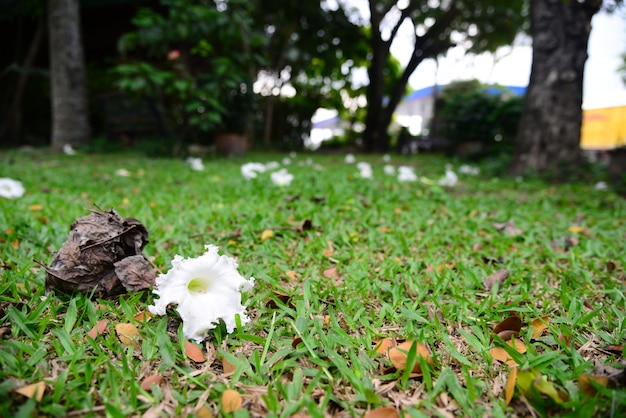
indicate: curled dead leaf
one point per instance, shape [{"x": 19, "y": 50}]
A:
[
  {"x": 35, "y": 390},
  {"x": 498, "y": 277},
  {"x": 155, "y": 379},
  {"x": 267, "y": 234},
  {"x": 127, "y": 334},
  {"x": 383, "y": 412},
  {"x": 231, "y": 400},
  {"x": 194, "y": 352},
  {"x": 398, "y": 355},
  {"x": 512, "y": 323},
  {"x": 588, "y": 383}
]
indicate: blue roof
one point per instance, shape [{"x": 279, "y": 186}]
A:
[{"x": 495, "y": 90}]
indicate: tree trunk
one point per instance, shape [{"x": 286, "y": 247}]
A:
[
  {"x": 548, "y": 141},
  {"x": 70, "y": 111}
]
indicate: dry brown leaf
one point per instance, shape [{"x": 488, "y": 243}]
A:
[
  {"x": 512, "y": 323},
  {"x": 508, "y": 228},
  {"x": 35, "y": 207},
  {"x": 98, "y": 329},
  {"x": 497, "y": 277},
  {"x": 510, "y": 386},
  {"x": 231, "y": 400},
  {"x": 539, "y": 325},
  {"x": 155, "y": 379},
  {"x": 194, "y": 352},
  {"x": 398, "y": 356},
  {"x": 143, "y": 316},
  {"x": 35, "y": 390},
  {"x": 127, "y": 334},
  {"x": 616, "y": 349},
  {"x": 204, "y": 412},
  {"x": 384, "y": 345},
  {"x": 227, "y": 366},
  {"x": 383, "y": 412},
  {"x": 267, "y": 234},
  {"x": 292, "y": 275},
  {"x": 331, "y": 273},
  {"x": 586, "y": 385}
]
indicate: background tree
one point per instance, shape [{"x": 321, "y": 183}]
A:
[
  {"x": 436, "y": 27},
  {"x": 313, "y": 50},
  {"x": 549, "y": 136},
  {"x": 70, "y": 111}
]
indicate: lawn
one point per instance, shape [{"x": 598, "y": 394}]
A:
[{"x": 506, "y": 295}]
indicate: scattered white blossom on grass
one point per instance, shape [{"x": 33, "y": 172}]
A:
[
  {"x": 389, "y": 170},
  {"x": 272, "y": 165},
  {"x": 406, "y": 173},
  {"x": 450, "y": 179},
  {"x": 365, "y": 170},
  {"x": 205, "y": 289},
  {"x": 601, "y": 186},
  {"x": 386, "y": 158},
  {"x": 293, "y": 155},
  {"x": 286, "y": 161},
  {"x": 196, "y": 163},
  {"x": 350, "y": 159},
  {"x": 11, "y": 189},
  {"x": 122, "y": 172},
  {"x": 250, "y": 170},
  {"x": 281, "y": 177},
  {"x": 67, "y": 149},
  {"x": 468, "y": 169}
]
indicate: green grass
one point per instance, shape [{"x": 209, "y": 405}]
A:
[{"x": 410, "y": 260}]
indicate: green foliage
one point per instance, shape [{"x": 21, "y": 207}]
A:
[
  {"x": 485, "y": 116},
  {"x": 194, "y": 58}
]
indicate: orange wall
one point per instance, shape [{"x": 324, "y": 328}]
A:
[{"x": 603, "y": 128}]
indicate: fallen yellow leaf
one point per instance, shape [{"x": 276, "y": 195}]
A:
[
  {"x": 35, "y": 390},
  {"x": 510, "y": 386},
  {"x": 398, "y": 355},
  {"x": 384, "y": 345},
  {"x": 127, "y": 334},
  {"x": 35, "y": 207},
  {"x": 539, "y": 325},
  {"x": 204, "y": 412},
  {"x": 231, "y": 400},
  {"x": 267, "y": 234}
]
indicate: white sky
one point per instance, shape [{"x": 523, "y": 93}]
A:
[{"x": 602, "y": 87}]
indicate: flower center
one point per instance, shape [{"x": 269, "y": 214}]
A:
[{"x": 197, "y": 286}]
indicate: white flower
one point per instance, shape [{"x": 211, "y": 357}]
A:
[
  {"x": 206, "y": 289},
  {"x": 250, "y": 170},
  {"x": 386, "y": 158},
  {"x": 286, "y": 161},
  {"x": 10, "y": 188},
  {"x": 67, "y": 149},
  {"x": 365, "y": 169},
  {"x": 281, "y": 177},
  {"x": 406, "y": 173},
  {"x": 450, "y": 179},
  {"x": 389, "y": 170},
  {"x": 350, "y": 159},
  {"x": 601, "y": 185},
  {"x": 293, "y": 155},
  {"x": 272, "y": 165},
  {"x": 196, "y": 163},
  {"x": 468, "y": 169},
  {"x": 122, "y": 172}
]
